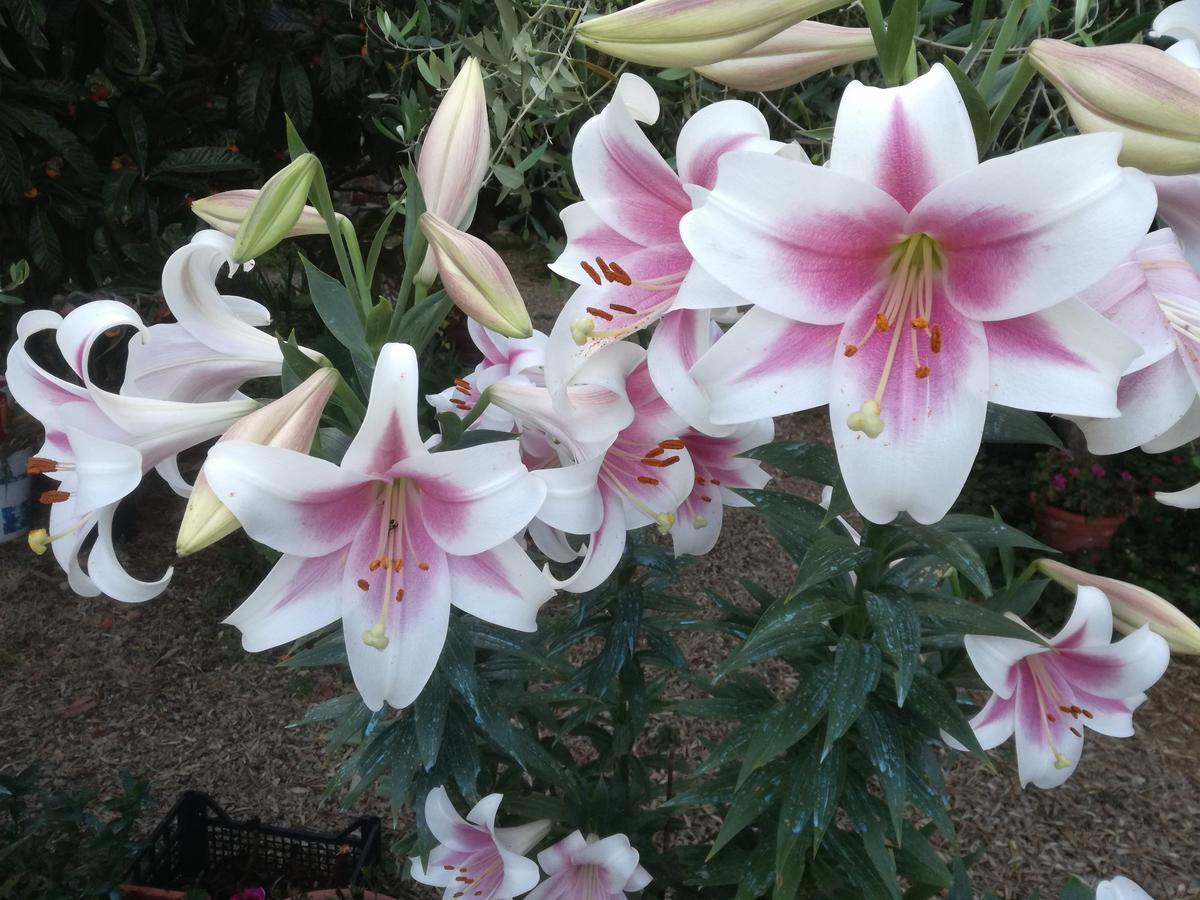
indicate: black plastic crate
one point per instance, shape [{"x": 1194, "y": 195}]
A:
[{"x": 199, "y": 845}]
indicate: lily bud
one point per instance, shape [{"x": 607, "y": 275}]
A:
[
  {"x": 476, "y": 279},
  {"x": 797, "y": 53},
  {"x": 276, "y": 209},
  {"x": 693, "y": 32},
  {"x": 227, "y": 211},
  {"x": 1132, "y": 606},
  {"x": 289, "y": 422},
  {"x": 1147, "y": 96},
  {"x": 454, "y": 154}
]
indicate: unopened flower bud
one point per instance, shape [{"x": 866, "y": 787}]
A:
[
  {"x": 1149, "y": 97},
  {"x": 276, "y": 210},
  {"x": 797, "y": 53},
  {"x": 227, "y": 211},
  {"x": 289, "y": 422},
  {"x": 1132, "y": 606},
  {"x": 693, "y": 32},
  {"x": 476, "y": 279},
  {"x": 454, "y": 155}
]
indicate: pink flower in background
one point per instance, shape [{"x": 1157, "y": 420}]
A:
[
  {"x": 1059, "y": 482},
  {"x": 386, "y": 541},
  {"x": 906, "y": 284},
  {"x": 1127, "y": 476},
  {"x": 253, "y": 893},
  {"x": 1048, "y": 694},
  {"x": 474, "y": 858},
  {"x": 590, "y": 869},
  {"x": 1073, "y": 471},
  {"x": 1098, "y": 470}
]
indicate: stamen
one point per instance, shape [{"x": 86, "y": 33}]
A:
[
  {"x": 592, "y": 273},
  {"x": 922, "y": 371},
  {"x": 1075, "y": 731},
  {"x": 619, "y": 275},
  {"x": 920, "y": 323},
  {"x": 881, "y": 322},
  {"x": 700, "y": 479},
  {"x": 935, "y": 338},
  {"x": 604, "y": 269},
  {"x": 49, "y": 497},
  {"x": 661, "y": 463},
  {"x": 673, "y": 444},
  {"x": 424, "y": 567},
  {"x": 706, "y": 498},
  {"x": 397, "y": 565},
  {"x": 622, "y": 308},
  {"x": 849, "y": 350},
  {"x": 375, "y": 564},
  {"x": 363, "y": 584},
  {"x": 646, "y": 479},
  {"x": 399, "y": 595},
  {"x": 655, "y": 451},
  {"x": 600, "y": 314},
  {"x": 716, "y": 481},
  {"x": 39, "y": 465}
]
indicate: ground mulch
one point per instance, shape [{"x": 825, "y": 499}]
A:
[{"x": 91, "y": 689}]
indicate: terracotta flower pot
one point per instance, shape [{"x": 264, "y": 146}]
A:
[
  {"x": 137, "y": 892},
  {"x": 1069, "y": 531}
]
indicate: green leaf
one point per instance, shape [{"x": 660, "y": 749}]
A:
[
  {"x": 949, "y": 548},
  {"x": 429, "y": 719},
  {"x": 1076, "y": 890},
  {"x": 898, "y": 632},
  {"x": 1005, "y": 425},
  {"x": 977, "y": 107},
  {"x": 901, "y": 27},
  {"x": 919, "y": 862},
  {"x": 794, "y": 521},
  {"x": 935, "y": 701},
  {"x": 862, "y": 868},
  {"x": 983, "y": 532},
  {"x": 201, "y": 161},
  {"x": 829, "y": 556},
  {"x": 421, "y": 323},
  {"x": 968, "y": 618},
  {"x": 803, "y": 459},
  {"x": 817, "y": 783},
  {"x": 782, "y": 628},
  {"x": 337, "y": 310},
  {"x": 12, "y": 169},
  {"x": 752, "y": 799},
  {"x": 254, "y": 95},
  {"x": 785, "y": 725},
  {"x": 884, "y": 745},
  {"x": 44, "y": 247},
  {"x": 856, "y": 668},
  {"x": 296, "y": 91},
  {"x": 135, "y": 132}
]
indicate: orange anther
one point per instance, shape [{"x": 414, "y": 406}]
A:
[
  {"x": 592, "y": 273},
  {"x": 881, "y": 322},
  {"x": 849, "y": 350},
  {"x": 424, "y": 567},
  {"x": 706, "y": 498},
  {"x": 600, "y": 313},
  {"x": 922, "y": 371},
  {"x": 661, "y": 463},
  {"x": 646, "y": 479},
  {"x": 53, "y": 497},
  {"x": 400, "y": 595},
  {"x": 619, "y": 275},
  {"x": 363, "y": 585},
  {"x": 375, "y": 564},
  {"x": 38, "y": 465},
  {"x": 397, "y": 565},
  {"x": 622, "y": 308},
  {"x": 672, "y": 444},
  {"x": 717, "y": 482},
  {"x": 655, "y": 451},
  {"x": 920, "y": 322},
  {"x": 935, "y": 338}
]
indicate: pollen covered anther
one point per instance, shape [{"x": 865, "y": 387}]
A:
[
  {"x": 922, "y": 371},
  {"x": 592, "y": 273},
  {"x": 39, "y": 465},
  {"x": 881, "y": 322},
  {"x": 661, "y": 463},
  {"x": 935, "y": 338},
  {"x": 49, "y": 497},
  {"x": 849, "y": 350},
  {"x": 622, "y": 308},
  {"x": 599, "y": 313},
  {"x": 672, "y": 444},
  {"x": 920, "y": 323},
  {"x": 646, "y": 479}
]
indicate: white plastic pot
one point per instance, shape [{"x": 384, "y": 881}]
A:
[{"x": 14, "y": 496}]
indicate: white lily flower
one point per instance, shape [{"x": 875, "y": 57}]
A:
[
  {"x": 386, "y": 541},
  {"x": 907, "y": 284},
  {"x": 1048, "y": 694},
  {"x": 99, "y": 444},
  {"x": 624, "y": 248},
  {"x": 590, "y": 869},
  {"x": 474, "y": 858},
  {"x": 1120, "y": 888}
]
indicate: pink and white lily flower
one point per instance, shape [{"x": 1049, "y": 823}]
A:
[
  {"x": 474, "y": 859},
  {"x": 1155, "y": 298},
  {"x": 504, "y": 359},
  {"x": 718, "y": 471},
  {"x": 623, "y": 243},
  {"x": 907, "y": 284},
  {"x": 100, "y": 444},
  {"x": 602, "y": 485},
  {"x": 590, "y": 869},
  {"x": 386, "y": 541},
  {"x": 215, "y": 344},
  {"x": 1047, "y": 695}
]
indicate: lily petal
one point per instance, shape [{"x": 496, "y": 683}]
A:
[
  {"x": 298, "y": 596},
  {"x": 715, "y": 130},
  {"x": 1151, "y": 402},
  {"x": 501, "y": 586},
  {"x": 1023, "y": 232},
  {"x": 389, "y": 431}
]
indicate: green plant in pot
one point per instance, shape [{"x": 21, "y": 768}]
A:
[{"x": 1079, "y": 502}]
